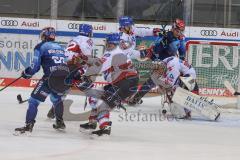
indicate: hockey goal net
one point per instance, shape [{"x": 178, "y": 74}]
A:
[{"x": 215, "y": 62}]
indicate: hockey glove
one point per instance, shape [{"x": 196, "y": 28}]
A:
[
  {"x": 85, "y": 84},
  {"x": 25, "y": 75},
  {"x": 146, "y": 53},
  {"x": 156, "y": 31}
]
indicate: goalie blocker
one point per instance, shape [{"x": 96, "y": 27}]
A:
[{"x": 196, "y": 103}]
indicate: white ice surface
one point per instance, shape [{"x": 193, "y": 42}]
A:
[{"x": 130, "y": 140}]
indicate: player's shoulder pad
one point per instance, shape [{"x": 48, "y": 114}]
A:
[
  {"x": 39, "y": 45},
  {"x": 51, "y": 45}
]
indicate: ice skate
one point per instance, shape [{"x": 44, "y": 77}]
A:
[
  {"x": 59, "y": 125},
  {"x": 26, "y": 129},
  {"x": 104, "y": 131},
  {"x": 51, "y": 114}
]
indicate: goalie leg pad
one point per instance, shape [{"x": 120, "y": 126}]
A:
[
  {"x": 177, "y": 111},
  {"x": 195, "y": 103}
]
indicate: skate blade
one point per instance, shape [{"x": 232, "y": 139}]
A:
[
  {"x": 18, "y": 133},
  {"x": 100, "y": 137},
  {"x": 59, "y": 129},
  {"x": 51, "y": 118},
  {"x": 86, "y": 131},
  {"x": 116, "y": 110}
]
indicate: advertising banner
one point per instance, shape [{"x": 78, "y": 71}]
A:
[{"x": 20, "y": 35}]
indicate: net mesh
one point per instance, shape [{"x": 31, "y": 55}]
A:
[{"x": 215, "y": 62}]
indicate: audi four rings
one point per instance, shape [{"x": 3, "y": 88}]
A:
[
  {"x": 73, "y": 26},
  {"x": 8, "y": 22},
  {"x": 208, "y": 32}
]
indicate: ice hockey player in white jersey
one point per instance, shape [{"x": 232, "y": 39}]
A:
[
  {"x": 119, "y": 72},
  {"x": 174, "y": 68},
  {"x": 81, "y": 47},
  {"x": 129, "y": 32},
  {"x": 170, "y": 79}
]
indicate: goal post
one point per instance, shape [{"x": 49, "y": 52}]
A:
[{"x": 215, "y": 62}]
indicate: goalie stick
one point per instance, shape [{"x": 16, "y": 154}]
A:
[{"x": 228, "y": 85}]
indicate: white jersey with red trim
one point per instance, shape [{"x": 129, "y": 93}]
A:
[
  {"x": 116, "y": 65},
  {"x": 79, "y": 45},
  {"x": 175, "y": 67},
  {"x": 129, "y": 40},
  {"x": 186, "y": 68}
]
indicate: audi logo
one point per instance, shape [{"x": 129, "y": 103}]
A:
[
  {"x": 208, "y": 32},
  {"x": 7, "y": 22},
  {"x": 73, "y": 26}
]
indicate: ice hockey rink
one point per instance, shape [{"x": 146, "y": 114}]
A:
[{"x": 132, "y": 138}]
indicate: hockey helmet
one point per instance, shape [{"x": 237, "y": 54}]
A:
[
  {"x": 48, "y": 34},
  {"x": 125, "y": 21},
  {"x": 179, "y": 24},
  {"x": 86, "y": 30},
  {"x": 113, "y": 38}
]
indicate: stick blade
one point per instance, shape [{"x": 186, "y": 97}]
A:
[{"x": 228, "y": 85}]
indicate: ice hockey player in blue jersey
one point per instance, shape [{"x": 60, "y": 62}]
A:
[
  {"x": 168, "y": 44},
  {"x": 171, "y": 43},
  {"x": 49, "y": 55}
]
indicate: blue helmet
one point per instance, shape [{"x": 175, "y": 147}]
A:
[
  {"x": 48, "y": 34},
  {"x": 113, "y": 38},
  {"x": 85, "y": 29},
  {"x": 125, "y": 21}
]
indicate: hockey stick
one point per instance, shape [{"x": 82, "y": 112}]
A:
[
  {"x": 228, "y": 85},
  {"x": 85, "y": 104},
  {"x": 10, "y": 83},
  {"x": 19, "y": 98}
]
